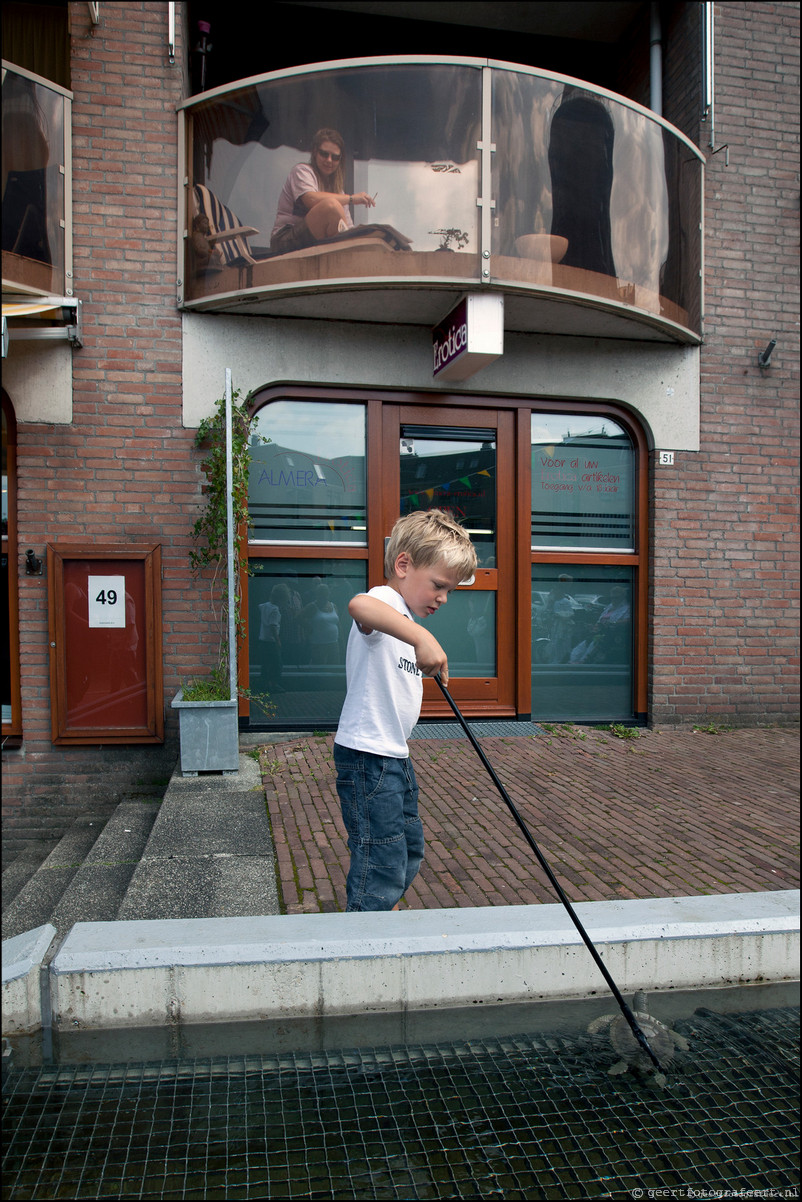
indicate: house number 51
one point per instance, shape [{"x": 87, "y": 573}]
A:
[{"x": 666, "y": 458}]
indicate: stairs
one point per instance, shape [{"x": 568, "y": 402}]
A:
[
  {"x": 210, "y": 853},
  {"x": 85, "y": 876},
  {"x": 205, "y": 851}
]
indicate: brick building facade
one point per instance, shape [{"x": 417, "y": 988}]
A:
[{"x": 117, "y": 466}]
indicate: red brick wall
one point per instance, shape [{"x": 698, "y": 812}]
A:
[
  {"x": 124, "y": 471},
  {"x": 724, "y": 583},
  {"x": 725, "y": 563}
]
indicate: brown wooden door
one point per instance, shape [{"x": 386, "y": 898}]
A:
[{"x": 463, "y": 461}]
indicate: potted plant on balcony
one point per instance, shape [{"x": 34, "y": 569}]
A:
[{"x": 208, "y": 707}]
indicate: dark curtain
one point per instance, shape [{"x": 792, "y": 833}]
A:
[{"x": 36, "y": 37}]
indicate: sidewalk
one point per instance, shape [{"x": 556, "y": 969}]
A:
[{"x": 667, "y": 814}]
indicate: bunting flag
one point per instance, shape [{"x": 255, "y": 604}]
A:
[{"x": 414, "y": 499}]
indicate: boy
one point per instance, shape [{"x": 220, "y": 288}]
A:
[{"x": 427, "y": 556}]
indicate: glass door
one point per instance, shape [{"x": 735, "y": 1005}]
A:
[{"x": 447, "y": 460}]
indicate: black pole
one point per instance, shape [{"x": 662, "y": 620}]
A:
[{"x": 625, "y": 1010}]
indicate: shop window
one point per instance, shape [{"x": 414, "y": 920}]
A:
[
  {"x": 307, "y": 484},
  {"x": 299, "y": 623},
  {"x": 573, "y": 650},
  {"x": 582, "y": 483},
  {"x": 582, "y": 642},
  {"x": 467, "y": 627}
]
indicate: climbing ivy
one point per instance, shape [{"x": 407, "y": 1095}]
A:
[{"x": 210, "y": 533}]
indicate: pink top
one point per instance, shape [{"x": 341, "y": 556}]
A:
[{"x": 291, "y": 209}]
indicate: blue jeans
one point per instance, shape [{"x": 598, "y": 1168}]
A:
[{"x": 379, "y": 799}]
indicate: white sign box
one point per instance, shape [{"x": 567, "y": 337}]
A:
[
  {"x": 471, "y": 336},
  {"x": 107, "y": 601}
]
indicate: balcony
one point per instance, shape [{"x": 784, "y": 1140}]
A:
[
  {"x": 36, "y": 186},
  {"x": 581, "y": 207}
]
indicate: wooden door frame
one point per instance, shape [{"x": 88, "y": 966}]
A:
[{"x": 501, "y": 696}]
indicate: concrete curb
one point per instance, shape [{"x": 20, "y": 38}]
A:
[
  {"x": 164, "y": 972},
  {"x": 23, "y": 957}
]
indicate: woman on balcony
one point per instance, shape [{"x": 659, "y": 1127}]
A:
[{"x": 313, "y": 204}]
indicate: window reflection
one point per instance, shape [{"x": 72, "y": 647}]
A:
[
  {"x": 582, "y": 483},
  {"x": 425, "y": 200},
  {"x": 581, "y": 168},
  {"x": 589, "y": 194},
  {"x": 409, "y": 137},
  {"x": 598, "y": 188},
  {"x": 455, "y": 472},
  {"x": 466, "y": 629},
  {"x": 298, "y": 630},
  {"x": 582, "y": 640},
  {"x": 308, "y": 483},
  {"x": 33, "y": 191}
]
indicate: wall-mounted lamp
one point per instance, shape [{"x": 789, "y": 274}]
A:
[
  {"x": 764, "y": 358},
  {"x": 33, "y": 566}
]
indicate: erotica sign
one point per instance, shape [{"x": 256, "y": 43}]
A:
[
  {"x": 451, "y": 338},
  {"x": 471, "y": 336}
]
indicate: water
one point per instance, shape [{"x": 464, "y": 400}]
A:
[{"x": 513, "y": 1103}]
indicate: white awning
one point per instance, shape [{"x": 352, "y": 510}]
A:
[
  {"x": 26, "y": 319},
  {"x": 50, "y": 307}
]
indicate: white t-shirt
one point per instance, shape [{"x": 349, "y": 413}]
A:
[
  {"x": 291, "y": 209},
  {"x": 270, "y": 623},
  {"x": 385, "y": 687}
]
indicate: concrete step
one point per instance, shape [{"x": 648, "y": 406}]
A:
[
  {"x": 210, "y": 853},
  {"x": 17, "y": 874},
  {"x": 97, "y": 888},
  {"x": 32, "y": 840},
  {"x": 36, "y": 900}
]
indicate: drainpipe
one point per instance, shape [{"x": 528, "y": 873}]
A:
[
  {"x": 708, "y": 80},
  {"x": 655, "y": 61}
]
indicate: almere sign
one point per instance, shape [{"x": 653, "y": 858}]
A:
[{"x": 469, "y": 337}]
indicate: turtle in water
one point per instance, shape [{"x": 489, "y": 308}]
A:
[{"x": 660, "y": 1038}]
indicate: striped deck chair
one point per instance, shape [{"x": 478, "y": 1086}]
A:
[{"x": 228, "y": 232}]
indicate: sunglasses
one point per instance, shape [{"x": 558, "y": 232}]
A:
[{"x": 327, "y": 154}]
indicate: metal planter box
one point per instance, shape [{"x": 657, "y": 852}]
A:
[{"x": 209, "y": 735}]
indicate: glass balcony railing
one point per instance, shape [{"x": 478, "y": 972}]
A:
[
  {"x": 36, "y": 168},
  {"x": 478, "y": 173}
]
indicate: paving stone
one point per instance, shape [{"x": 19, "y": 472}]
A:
[{"x": 671, "y": 813}]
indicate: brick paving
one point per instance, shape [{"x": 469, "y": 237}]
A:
[{"x": 669, "y": 813}]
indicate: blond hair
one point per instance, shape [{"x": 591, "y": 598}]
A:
[
  {"x": 428, "y": 537},
  {"x": 336, "y": 181}
]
